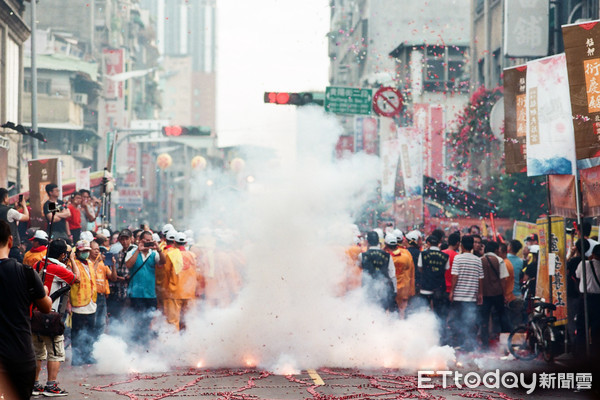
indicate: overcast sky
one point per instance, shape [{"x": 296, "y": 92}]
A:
[{"x": 267, "y": 45}]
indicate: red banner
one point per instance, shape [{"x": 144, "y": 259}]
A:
[
  {"x": 590, "y": 189},
  {"x": 562, "y": 195},
  {"x": 515, "y": 119}
]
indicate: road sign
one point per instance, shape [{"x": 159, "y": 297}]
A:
[
  {"x": 387, "y": 102},
  {"x": 345, "y": 100}
]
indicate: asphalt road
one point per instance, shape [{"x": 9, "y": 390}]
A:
[{"x": 325, "y": 383}]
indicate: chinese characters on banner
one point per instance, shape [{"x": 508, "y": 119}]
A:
[
  {"x": 550, "y": 144},
  {"x": 515, "y": 118},
  {"x": 409, "y": 204},
  {"x": 562, "y": 195},
  {"x": 559, "y": 279},
  {"x": 112, "y": 108},
  {"x": 344, "y": 146},
  {"x": 390, "y": 156},
  {"x": 82, "y": 179},
  {"x": 41, "y": 173},
  {"x": 583, "y": 64},
  {"x": 526, "y": 28},
  {"x": 522, "y": 229},
  {"x": 590, "y": 188}
]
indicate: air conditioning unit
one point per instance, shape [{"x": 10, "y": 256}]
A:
[{"x": 80, "y": 98}]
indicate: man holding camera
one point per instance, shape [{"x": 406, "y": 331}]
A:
[
  {"x": 56, "y": 213},
  {"x": 12, "y": 216},
  {"x": 141, "y": 291}
]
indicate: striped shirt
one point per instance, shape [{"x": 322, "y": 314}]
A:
[{"x": 469, "y": 270}]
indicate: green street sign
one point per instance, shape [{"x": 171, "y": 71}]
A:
[{"x": 346, "y": 100}]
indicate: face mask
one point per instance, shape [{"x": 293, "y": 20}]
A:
[{"x": 85, "y": 255}]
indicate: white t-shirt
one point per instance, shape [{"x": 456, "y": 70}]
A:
[
  {"x": 592, "y": 285},
  {"x": 13, "y": 215}
]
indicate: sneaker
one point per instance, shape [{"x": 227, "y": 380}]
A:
[
  {"x": 37, "y": 389},
  {"x": 54, "y": 390}
]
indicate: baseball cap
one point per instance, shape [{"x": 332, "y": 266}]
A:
[
  {"x": 413, "y": 236},
  {"x": 532, "y": 237},
  {"x": 166, "y": 228},
  {"x": 86, "y": 235},
  {"x": 535, "y": 249},
  {"x": 171, "y": 235},
  {"x": 83, "y": 245},
  {"x": 399, "y": 234},
  {"x": 181, "y": 238},
  {"x": 125, "y": 233},
  {"x": 39, "y": 234},
  {"x": 104, "y": 232},
  {"x": 155, "y": 237},
  {"x": 433, "y": 240},
  {"x": 391, "y": 239}
]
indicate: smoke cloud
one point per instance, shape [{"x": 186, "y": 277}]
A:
[{"x": 291, "y": 226}]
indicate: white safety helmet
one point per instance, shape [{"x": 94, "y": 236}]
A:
[
  {"x": 155, "y": 237},
  {"x": 413, "y": 236},
  {"x": 391, "y": 239},
  {"x": 171, "y": 235},
  {"x": 166, "y": 228},
  {"x": 181, "y": 238},
  {"x": 399, "y": 234},
  {"x": 86, "y": 235}
]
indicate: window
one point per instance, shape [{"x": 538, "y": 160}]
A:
[
  {"x": 444, "y": 68},
  {"x": 43, "y": 87}
]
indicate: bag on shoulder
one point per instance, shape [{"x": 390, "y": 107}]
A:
[{"x": 50, "y": 324}]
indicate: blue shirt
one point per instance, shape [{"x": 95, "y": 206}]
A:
[
  {"x": 517, "y": 264},
  {"x": 142, "y": 284}
]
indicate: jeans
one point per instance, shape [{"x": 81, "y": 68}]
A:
[
  {"x": 82, "y": 338},
  {"x": 101, "y": 315},
  {"x": 489, "y": 303},
  {"x": 142, "y": 310},
  {"x": 463, "y": 322}
]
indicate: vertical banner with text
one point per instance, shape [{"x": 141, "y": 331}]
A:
[
  {"x": 82, "y": 179},
  {"x": 41, "y": 173},
  {"x": 559, "y": 277},
  {"x": 583, "y": 65},
  {"x": 515, "y": 118},
  {"x": 590, "y": 189},
  {"x": 409, "y": 208},
  {"x": 562, "y": 195},
  {"x": 550, "y": 143}
]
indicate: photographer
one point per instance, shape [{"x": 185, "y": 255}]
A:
[
  {"x": 60, "y": 228},
  {"x": 19, "y": 287},
  {"x": 142, "y": 280},
  {"x": 12, "y": 217},
  {"x": 51, "y": 346}
]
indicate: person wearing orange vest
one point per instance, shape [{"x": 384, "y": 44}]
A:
[
  {"x": 161, "y": 273},
  {"x": 405, "y": 270},
  {"x": 182, "y": 286},
  {"x": 353, "y": 274},
  {"x": 38, "y": 251},
  {"x": 83, "y": 298}
]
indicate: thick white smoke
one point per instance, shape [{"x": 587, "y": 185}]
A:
[{"x": 288, "y": 316}]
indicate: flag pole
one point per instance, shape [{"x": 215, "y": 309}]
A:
[
  {"x": 549, "y": 239},
  {"x": 583, "y": 264}
]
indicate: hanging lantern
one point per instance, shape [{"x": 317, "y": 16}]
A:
[
  {"x": 199, "y": 163},
  {"x": 237, "y": 164},
  {"x": 164, "y": 161}
]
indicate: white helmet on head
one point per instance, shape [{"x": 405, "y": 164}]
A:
[
  {"x": 171, "y": 235},
  {"x": 181, "y": 238},
  {"x": 166, "y": 228},
  {"x": 399, "y": 234},
  {"x": 413, "y": 236},
  {"x": 391, "y": 239}
]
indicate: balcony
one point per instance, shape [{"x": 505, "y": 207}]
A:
[{"x": 54, "y": 111}]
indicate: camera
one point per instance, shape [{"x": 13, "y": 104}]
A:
[
  {"x": 570, "y": 231},
  {"x": 52, "y": 206},
  {"x": 20, "y": 198}
]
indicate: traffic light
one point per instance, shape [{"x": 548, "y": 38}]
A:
[
  {"x": 294, "y": 99},
  {"x": 24, "y": 131},
  {"x": 178, "y": 130}
]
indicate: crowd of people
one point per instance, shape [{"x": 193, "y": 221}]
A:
[
  {"x": 476, "y": 286},
  {"x": 96, "y": 281}
]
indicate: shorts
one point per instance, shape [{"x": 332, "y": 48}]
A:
[{"x": 46, "y": 347}]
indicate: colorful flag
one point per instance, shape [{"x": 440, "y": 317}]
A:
[
  {"x": 559, "y": 277},
  {"x": 515, "y": 118},
  {"x": 550, "y": 142},
  {"x": 583, "y": 66},
  {"x": 562, "y": 195},
  {"x": 590, "y": 189}
]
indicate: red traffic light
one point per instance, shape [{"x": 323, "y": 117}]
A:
[
  {"x": 296, "y": 99},
  {"x": 174, "y": 130}
]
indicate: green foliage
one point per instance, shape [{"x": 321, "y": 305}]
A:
[{"x": 519, "y": 196}]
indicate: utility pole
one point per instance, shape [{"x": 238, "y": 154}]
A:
[{"x": 34, "y": 151}]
